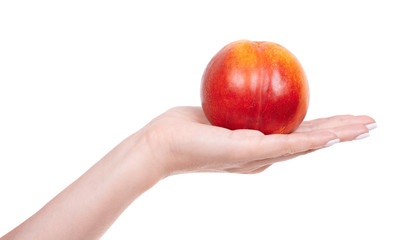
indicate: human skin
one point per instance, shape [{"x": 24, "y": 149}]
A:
[{"x": 180, "y": 140}]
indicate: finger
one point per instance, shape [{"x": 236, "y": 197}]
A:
[
  {"x": 261, "y": 165},
  {"x": 335, "y": 121},
  {"x": 259, "y": 170},
  {"x": 249, "y": 169},
  {"x": 250, "y": 145},
  {"x": 288, "y": 157},
  {"x": 303, "y": 141},
  {"x": 276, "y": 148},
  {"x": 267, "y": 162},
  {"x": 351, "y": 132},
  {"x": 277, "y": 145}
]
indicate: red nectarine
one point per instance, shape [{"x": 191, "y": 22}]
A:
[{"x": 255, "y": 85}]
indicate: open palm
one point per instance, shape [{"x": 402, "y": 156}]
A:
[{"x": 191, "y": 144}]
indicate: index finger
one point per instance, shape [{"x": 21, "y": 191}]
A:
[
  {"x": 277, "y": 145},
  {"x": 336, "y": 121},
  {"x": 247, "y": 148}
]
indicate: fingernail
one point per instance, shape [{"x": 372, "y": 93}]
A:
[
  {"x": 371, "y": 126},
  {"x": 332, "y": 142},
  {"x": 361, "y": 136}
]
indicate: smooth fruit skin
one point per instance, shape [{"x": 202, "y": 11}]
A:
[{"x": 255, "y": 85}]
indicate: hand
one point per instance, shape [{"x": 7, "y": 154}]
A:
[
  {"x": 182, "y": 140},
  {"x": 179, "y": 141}
]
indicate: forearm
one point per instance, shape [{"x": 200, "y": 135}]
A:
[{"x": 88, "y": 207}]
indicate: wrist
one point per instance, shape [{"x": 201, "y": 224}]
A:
[{"x": 143, "y": 159}]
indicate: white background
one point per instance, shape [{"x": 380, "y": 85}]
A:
[{"x": 77, "y": 77}]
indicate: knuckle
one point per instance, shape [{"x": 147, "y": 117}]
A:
[{"x": 290, "y": 148}]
